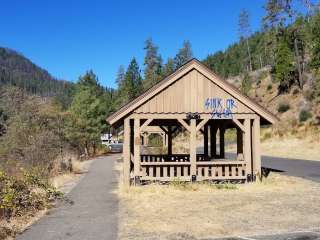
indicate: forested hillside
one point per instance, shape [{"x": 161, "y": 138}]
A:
[{"x": 17, "y": 70}]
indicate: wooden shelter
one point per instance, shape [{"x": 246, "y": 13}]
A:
[{"x": 195, "y": 98}]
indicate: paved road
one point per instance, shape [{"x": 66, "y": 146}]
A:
[
  {"x": 301, "y": 235},
  {"x": 93, "y": 214},
  {"x": 294, "y": 167}
]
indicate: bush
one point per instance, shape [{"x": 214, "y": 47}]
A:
[
  {"x": 304, "y": 115},
  {"x": 283, "y": 107},
  {"x": 25, "y": 194}
]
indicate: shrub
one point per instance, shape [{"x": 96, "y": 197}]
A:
[
  {"x": 295, "y": 91},
  {"x": 283, "y": 107},
  {"x": 266, "y": 136},
  {"x": 25, "y": 194},
  {"x": 304, "y": 115}
]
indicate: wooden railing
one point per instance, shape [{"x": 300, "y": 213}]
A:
[
  {"x": 165, "y": 158},
  {"x": 201, "y": 157},
  {"x": 177, "y": 167},
  {"x": 231, "y": 169}
]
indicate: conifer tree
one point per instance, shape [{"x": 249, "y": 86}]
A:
[
  {"x": 245, "y": 83},
  {"x": 284, "y": 67},
  {"x": 244, "y": 33},
  {"x": 315, "y": 53},
  {"x": 132, "y": 82},
  {"x": 86, "y": 113},
  {"x": 168, "y": 67},
  {"x": 315, "y": 38},
  {"x": 153, "y": 64},
  {"x": 120, "y": 76},
  {"x": 184, "y": 54}
]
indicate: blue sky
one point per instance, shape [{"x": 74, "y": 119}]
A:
[{"x": 69, "y": 37}]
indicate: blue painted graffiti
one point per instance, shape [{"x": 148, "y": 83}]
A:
[{"x": 220, "y": 108}]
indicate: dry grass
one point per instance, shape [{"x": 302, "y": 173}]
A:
[
  {"x": 192, "y": 211},
  {"x": 292, "y": 148},
  {"x": 64, "y": 181},
  {"x": 305, "y": 144}
]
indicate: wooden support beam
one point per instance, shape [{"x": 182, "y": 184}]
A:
[
  {"x": 221, "y": 142},
  {"x": 193, "y": 147},
  {"x": 239, "y": 124},
  {"x": 164, "y": 129},
  {"x": 213, "y": 141},
  {"x": 256, "y": 147},
  {"x": 239, "y": 141},
  {"x": 205, "y": 140},
  {"x": 169, "y": 140},
  {"x": 126, "y": 152},
  {"x": 145, "y": 124},
  {"x": 163, "y": 136},
  {"x": 247, "y": 146},
  {"x": 137, "y": 143},
  {"x": 184, "y": 124},
  {"x": 201, "y": 124},
  {"x": 183, "y": 115}
]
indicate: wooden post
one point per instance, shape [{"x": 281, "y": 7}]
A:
[
  {"x": 221, "y": 132},
  {"x": 247, "y": 146},
  {"x": 146, "y": 139},
  {"x": 126, "y": 152},
  {"x": 205, "y": 139},
  {"x": 239, "y": 141},
  {"x": 169, "y": 140},
  {"x": 256, "y": 146},
  {"x": 163, "y": 135},
  {"x": 193, "y": 147},
  {"x": 137, "y": 143},
  {"x": 213, "y": 141}
]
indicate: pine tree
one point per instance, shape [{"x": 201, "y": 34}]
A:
[
  {"x": 245, "y": 83},
  {"x": 315, "y": 47},
  {"x": 298, "y": 44},
  {"x": 277, "y": 13},
  {"x": 184, "y": 54},
  {"x": 284, "y": 68},
  {"x": 245, "y": 32},
  {"x": 315, "y": 53},
  {"x": 168, "y": 68},
  {"x": 120, "y": 76},
  {"x": 153, "y": 64},
  {"x": 133, "y": 82},
  {"x": 86, "y": 113}
]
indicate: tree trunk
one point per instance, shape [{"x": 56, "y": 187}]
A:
[
  {"x": 298, "y": 62},
  {"x": 249, "y": 54},
  {"x": 86, "y": 150}
]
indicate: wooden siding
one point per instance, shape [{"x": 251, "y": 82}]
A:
[{"x": 189, "y": 94}]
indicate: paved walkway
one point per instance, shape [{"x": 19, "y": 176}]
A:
[{"x": 93, "y": 214}]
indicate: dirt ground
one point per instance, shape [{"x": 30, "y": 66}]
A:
[{"x": 193, "y": 211}]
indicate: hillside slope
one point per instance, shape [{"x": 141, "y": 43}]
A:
[
  {"x": 17, "y": 70},
  {"x": 295, "y": 108}
]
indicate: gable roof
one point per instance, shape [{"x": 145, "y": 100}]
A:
[{"x": 187, "y": 67}]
